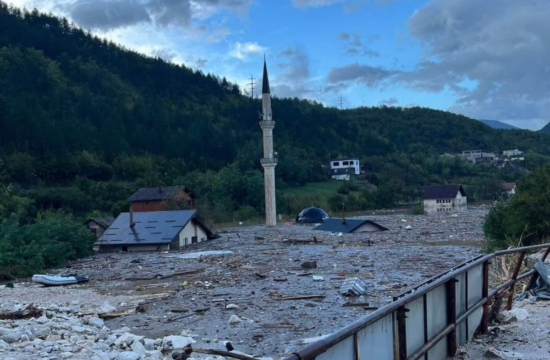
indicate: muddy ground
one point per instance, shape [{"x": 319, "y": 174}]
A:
[{"x": 265, "y": 266}]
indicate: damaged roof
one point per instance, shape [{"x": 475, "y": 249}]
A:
[
  {"x": 336, "y": 225},
  {"x": 154, "y": 227},
  {"x": 105, "y": 221},
  {"x": 443, "y": 191},
  {"x": 157, "y": 193}
]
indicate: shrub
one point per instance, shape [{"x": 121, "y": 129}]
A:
[{"x": 418, "y": 210}]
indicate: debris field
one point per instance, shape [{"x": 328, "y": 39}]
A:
[{"x": 264, "y": 289}]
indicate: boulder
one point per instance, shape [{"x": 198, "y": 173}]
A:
[
  {"x": 12, "y": 336},
  {"x": 232, "y": 307},
  {"x": 127, "y": 355},
  {"x": 176, "y": 342},
  {"x": 234, "y": 320},
  {"x": 138, "y": 348},
  {"x": 106, "y": 308},
  {"x": 96, "y": 322}
]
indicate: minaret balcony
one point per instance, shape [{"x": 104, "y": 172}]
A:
[
  {"x": 266, "y": 124},
  {"x": 268, "y": 161}
]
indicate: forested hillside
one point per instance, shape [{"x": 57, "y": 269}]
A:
[{"x": 84, "y": 122}]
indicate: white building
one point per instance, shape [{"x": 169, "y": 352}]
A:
[
  {"x": 153, "y": 231},
  {"x": 445, "y": 198},
  {"x": 512, "y": 153},
  {"x": 471, "y": 155},
  {"x": 342, "y": 169}
]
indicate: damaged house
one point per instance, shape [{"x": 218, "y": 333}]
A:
[
  {"x": 445, "y": 198},
  {"x": 153, "y": 231},
  {"x": 350, "y": 226}
]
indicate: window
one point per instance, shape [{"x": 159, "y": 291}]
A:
[
  {"x": 345, "y": 163},
  {"x": 336, "y": 163}
]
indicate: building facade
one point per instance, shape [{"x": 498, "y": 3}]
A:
[
  {"x": 344, "y": 169},
  {"x": 445, "y": 198},
  {"x": 98, "y": 225},
  {"x": 162, "y": 199}
]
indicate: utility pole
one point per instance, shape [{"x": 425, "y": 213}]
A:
[
  {"x": 252, "y": 85},
  {"x": 341, "y": 102}
]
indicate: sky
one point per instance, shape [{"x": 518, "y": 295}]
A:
[{"x": 486, "y": 59}]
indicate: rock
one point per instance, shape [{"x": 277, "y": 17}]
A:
[
  {"x": 234, "y": 320},
  {"x": 176, "y": 342},
  {"x": 153, "y": 355},
  {"x": 97, "y": 322},
  {"x": 12, "y": 336},
  {"x": 149, "y": 344},
  {"x": 408, "y": 227},
  {"x": 3, "y": 344},
  {"x": 127, "y": 355},
  {"x": 232, "y": 307},
  {"x": 138, "y": 348},
  {"x": 126, "y": 339},
  {"x": 106, "y": 308},
  {"x": 520, "y": 314},
  {"x": 43, "y": 332}
]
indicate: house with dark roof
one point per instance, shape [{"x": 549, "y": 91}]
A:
[
  {"x": 98, "y": 225},
  {"x": 350, "y": 226},
  {"x": 154, "y": 231},
  {"x": 445, "y": 198},
  {"x": 159, "y": 198}
]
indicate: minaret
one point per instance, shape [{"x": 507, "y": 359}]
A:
[{"x": 269, "y": 161}]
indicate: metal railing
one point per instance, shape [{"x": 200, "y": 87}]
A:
[{"x": 429, "y": 320}]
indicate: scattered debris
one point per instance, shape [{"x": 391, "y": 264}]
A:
[
  {"x": 309, "y": 265},
  {"x": 197, "y": 255},
  {"x": 30, "y": 311},
  {"x": 318, "y": 278},
  {"x": 353, "y": 287},
  {"x": 300, "y": 297}
]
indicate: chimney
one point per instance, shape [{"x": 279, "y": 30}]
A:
[
  {"x": 132, "y": 223},
  {"x": 160, "y": 188},
  {"x": 343, "y": 214}
]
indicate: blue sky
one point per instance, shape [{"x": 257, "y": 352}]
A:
[{"x": 483, "y": 59}]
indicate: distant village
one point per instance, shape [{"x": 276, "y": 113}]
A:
[{"x": 508, "y": 157}]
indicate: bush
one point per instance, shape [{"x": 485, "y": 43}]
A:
[
  {"x": 524, "y": 219},
  {"x": 418, "y": 210}
]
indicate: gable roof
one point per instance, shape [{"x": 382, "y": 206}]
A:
[
  {"x": 508, "y": 186},
  {"x": 154, "y": 227},
  {"x": 443, "y": 191},
  {"x": 335, "y": 225},
  {"x": 104, "y": 221},
  {"x": 157, "y": 193}
]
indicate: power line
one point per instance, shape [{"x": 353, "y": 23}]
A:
[
  {"x": 341, "y": 102},
  {"x": 252, "y": 85}
]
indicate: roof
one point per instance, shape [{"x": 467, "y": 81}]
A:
[
  {"x": 335, "y": 225},
  {"x": 154, "y": 227},
  {"x": 344, "y": 159},
  {"x": 443, "y": 191},
  {"x": 157, "y": 193},
  {"x": 265, "y": 84},
  {"x": 508, "y": 186},
  {"x": 105, "y": 221}
]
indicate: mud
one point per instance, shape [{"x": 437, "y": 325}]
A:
[{"x": 264, "y": 267}]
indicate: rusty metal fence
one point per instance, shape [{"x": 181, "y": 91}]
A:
[{"x": 428, "y": 321}]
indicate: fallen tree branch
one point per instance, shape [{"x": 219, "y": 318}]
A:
[
  {"x": 301, "y": 297},
  {"x": 161, "y": 277},
  {"x": 28, "y": 312}
]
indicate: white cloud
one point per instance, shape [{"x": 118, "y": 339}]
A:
[{"x": 241, "y": 51}]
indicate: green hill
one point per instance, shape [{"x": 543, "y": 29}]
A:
[{"x": 84, "y": 122}]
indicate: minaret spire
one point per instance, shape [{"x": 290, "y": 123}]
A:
[{"x": 268, "y": 161}]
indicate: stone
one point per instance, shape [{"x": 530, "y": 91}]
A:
[
  {"x": 232, "y": 307},
  {"x": 176, "y": 342},
  {"x": 138, "y": 348},
  {"x": 149, "y": 344},
  {"x": 43, "y": 332},
  {"x": 520, "y": 314},
  {"x": 127, "y": 339},
  {"x": 153, "y": 355},
  {"x": 127, "y": 355},
  {"x": 97, "y": 322},
  {"x": 234, "y": 320},
  {"x": 3, "y": 344},
  {"x": 12, "y": 336},
  {"x": 106, "y": 308}
]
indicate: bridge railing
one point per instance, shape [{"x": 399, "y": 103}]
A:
[{"x": 429, "y": 320}]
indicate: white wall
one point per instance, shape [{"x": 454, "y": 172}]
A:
[
  {"x": 354, "y": 164},
  {"x": 457, "y": 204},
  {"x": 366, "y": 228},
  {"x": 191, "y": 230}
]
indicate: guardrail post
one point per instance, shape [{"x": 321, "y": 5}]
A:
[
  {"x": 402, "y": 333},
  {"x": 485, "y": 295},
  {"x": 514, "y": 277},
  {"x": 451, "y": 316},
  {"x": 536, "y": 274}
]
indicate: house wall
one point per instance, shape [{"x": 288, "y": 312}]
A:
[
  {"x": 366, "y": 228},
  {"x": 190, "y": 230},
  {"x": 340, "y": 177},
  {"x": 144, "y": 206},
  {"x": 95, "y": 228},
  {"x": 459, "y": 203}
]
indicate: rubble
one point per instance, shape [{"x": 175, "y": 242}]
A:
[{"x": 143, "y": 289}]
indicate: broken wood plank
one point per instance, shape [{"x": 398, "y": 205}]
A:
[
  {"x": 114, "y": 315},
  {"x": 28, "y": 312},
  {"x": 301, "y": 297}
]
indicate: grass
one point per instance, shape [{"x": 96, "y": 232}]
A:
[{"x": 326, "y": 188}]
